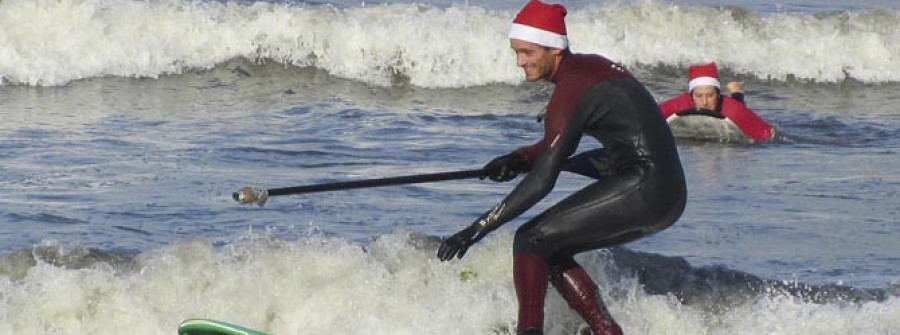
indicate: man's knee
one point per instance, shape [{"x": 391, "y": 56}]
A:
[{"x": 530, "y": 241}]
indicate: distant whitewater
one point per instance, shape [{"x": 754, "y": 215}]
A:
[{"x": 51, "y": 43}]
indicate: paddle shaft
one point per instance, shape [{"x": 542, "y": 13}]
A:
[{"x": 411, "y": 179}]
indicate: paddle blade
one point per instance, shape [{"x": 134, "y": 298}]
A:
[{"x": 249, "y": 195}]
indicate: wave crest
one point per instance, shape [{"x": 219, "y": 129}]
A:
[{"x": 49, "y": 43}]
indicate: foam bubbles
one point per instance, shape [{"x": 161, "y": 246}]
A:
[{"x": 393, "y": 285}]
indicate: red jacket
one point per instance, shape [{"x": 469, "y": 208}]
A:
[{"x": 745, "y": 119}]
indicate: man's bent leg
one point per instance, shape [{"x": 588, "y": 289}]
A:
[
  {"x": 577, "y": 288},
  {"x": 530, "y": 276},
  {"x": 602, "y": 214}
]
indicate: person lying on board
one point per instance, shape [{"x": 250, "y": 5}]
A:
[
  {"x": 704, "y": 97},
  {"x": 640, "y": 188}
]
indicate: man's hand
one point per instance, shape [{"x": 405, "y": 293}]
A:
[
  {"x": 506, "y": 167},
  {"x": 735, "y": 87},
  {"x": 458, "y": 244}
]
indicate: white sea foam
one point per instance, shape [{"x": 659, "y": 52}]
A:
[
  {"x": 44, "y": 42},
  {"x": 393, "y": 286}
]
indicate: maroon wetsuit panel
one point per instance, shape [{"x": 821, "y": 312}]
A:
[{"x": 577, "y": 74}]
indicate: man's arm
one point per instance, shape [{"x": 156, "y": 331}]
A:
[
  {"x": 676, "y": 105},
  {"x": 736, "y": 89},
  {"x": 750, "y": 124}
]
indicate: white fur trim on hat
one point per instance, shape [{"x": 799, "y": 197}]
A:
[
  {"x": 538, "y": 36},
  {"x": 703, "y": 81}
]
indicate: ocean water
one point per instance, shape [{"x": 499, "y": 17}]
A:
[{"x": 126, "y": 125}]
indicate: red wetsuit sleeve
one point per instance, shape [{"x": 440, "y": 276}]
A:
[
  {"x": 530, "y": 152},
  {"x": 677, "y": 104},
  {"x": 750, "y": 124}
]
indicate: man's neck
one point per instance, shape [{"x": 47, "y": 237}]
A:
[{"x": 558, "y": 62}]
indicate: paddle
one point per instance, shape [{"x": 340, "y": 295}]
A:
[{"x": 249, "y": 195}]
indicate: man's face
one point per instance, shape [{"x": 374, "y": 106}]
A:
[
  {"x": 705, "y": 97},
  {"x": 537, "y": 61}
]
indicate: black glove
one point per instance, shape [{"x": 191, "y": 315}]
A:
[
  {"x": 459, "y": 243},
  {"x": 506, "y": 167}
]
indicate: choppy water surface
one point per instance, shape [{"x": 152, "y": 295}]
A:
[{"x": 116, "y": 174}]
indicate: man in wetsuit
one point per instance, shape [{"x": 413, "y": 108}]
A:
[
  {"x": 640, "y": 187},
  {"x": 704, "y": 96}
]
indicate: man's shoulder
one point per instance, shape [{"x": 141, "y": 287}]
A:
[
  {"x": 599, "y": 63},
  {"x": 677, "y": 104},
  {"x": 679, "y": 100}
]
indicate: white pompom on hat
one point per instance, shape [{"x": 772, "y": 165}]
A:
[
  {"x": 541, "y": 24},
  {"x": 703, "y": 75}
]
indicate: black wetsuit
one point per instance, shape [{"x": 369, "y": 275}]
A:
[{"x": 640, "y": 187}]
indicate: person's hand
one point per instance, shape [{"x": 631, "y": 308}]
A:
[
  {"x": 458, "y": 244},
  {"x": 735, "y": 87},
  {"x": 506, "y": 167}
]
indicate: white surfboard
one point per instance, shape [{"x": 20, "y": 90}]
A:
[{"x": 704, "y": 127}]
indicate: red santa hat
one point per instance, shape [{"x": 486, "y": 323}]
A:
[
  {"x": 541, "y": 24},
  {"x": 703, "y": 75}
]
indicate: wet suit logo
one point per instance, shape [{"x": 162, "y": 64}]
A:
[
  {"x": 492, "y": 216},
  {"x": 555, "y": 139}
]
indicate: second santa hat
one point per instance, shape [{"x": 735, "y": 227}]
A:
[
  {"x": 703, "y": 75},
  {"x": 541, "y": 24}
]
